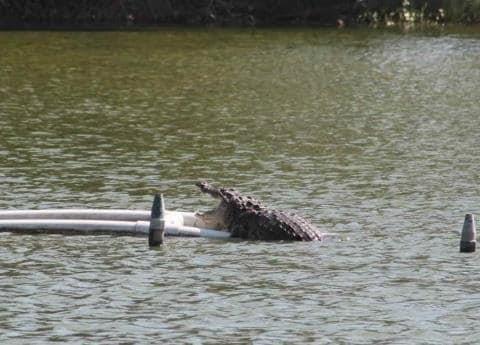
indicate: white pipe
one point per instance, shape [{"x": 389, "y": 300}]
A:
[
  {"x": 189, "y": 218},
  {"x": 71, "y": 226},
  {"x": 100, "y": 214},
  {"x": 85, "y": 226},
  {"x": 195, "y": 232}
]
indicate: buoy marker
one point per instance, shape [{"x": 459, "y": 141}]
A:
[
  {"x": 468, "y": 241},
  {"x": 156, "y": 231}
]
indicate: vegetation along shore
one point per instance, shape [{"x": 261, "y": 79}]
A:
[{"x": 32, "y": 14}]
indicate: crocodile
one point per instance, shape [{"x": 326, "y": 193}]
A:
[{"x": 248, "y": 218}]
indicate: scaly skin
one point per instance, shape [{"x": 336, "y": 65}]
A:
[{"x": 248, "y": 218}]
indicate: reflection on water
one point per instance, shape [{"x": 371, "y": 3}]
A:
[{"x": 370, "y": 134}]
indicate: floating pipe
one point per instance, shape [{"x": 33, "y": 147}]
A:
[
  {"x": 188, "y": 218},
  {"x": 74, "y": 226},
  {"x": 85, "y": 226},
  {"x": 74, "y": 213}
]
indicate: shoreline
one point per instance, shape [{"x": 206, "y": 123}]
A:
[
  {"x": 308, "y": 26},
  {"x": 119, "y": 15}
]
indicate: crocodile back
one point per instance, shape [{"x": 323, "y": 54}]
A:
[{"x": 274, "y": 225}]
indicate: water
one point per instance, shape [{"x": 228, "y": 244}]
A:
[{"x": 370, "y": 134}]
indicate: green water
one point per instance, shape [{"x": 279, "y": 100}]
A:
[{"x": 370, "y": 134}]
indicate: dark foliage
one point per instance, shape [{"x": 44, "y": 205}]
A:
[{"x": 121, "y": 13}]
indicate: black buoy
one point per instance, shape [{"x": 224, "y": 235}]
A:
[
  {"x": 157, "y": 222},
  {"x": 468, "y": 241}
]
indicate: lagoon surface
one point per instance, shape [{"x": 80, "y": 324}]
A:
[{"x": 371, "y": 134}]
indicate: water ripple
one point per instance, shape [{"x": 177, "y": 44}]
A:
[{"x": 369, "y": 134}]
